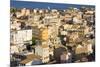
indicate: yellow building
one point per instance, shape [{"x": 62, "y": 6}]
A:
[
  {"x": 41, "y": 34},
  {"x": 44, "y": 34}
]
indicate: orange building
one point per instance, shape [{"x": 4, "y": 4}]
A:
[{"x": 44, "y": 34}]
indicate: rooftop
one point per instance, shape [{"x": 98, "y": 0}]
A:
[{"x": 29, "y": 58}]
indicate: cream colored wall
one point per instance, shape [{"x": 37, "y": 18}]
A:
[{"x": 21, "y": 36}]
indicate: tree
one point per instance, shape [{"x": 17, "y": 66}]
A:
[
  {"x": 33, "y": 41},
  {"x": 13, "y": 10}
]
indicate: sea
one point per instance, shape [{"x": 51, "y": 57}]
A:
[{"x": 45, "y": 5}]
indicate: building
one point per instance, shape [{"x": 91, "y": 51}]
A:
[
  {"x": 35, "y": 32},
  {"x": 36, "y": 18},
  {"x": 23, "y": 11},
  {"x": 86, "y": 48},
  {"x": 79, "y": 49},
  {"x": 65, "y": 57},
  {"x": 51, "y": 53},
  {"x": 27, "y": 12},
  {"x": 86, "y": 30},
  {"x": 21, "y": 36},
  {"x": 67, "y": 17},
  {"x": 57, "y": 53},
  {"x": 43, "y": 51},
  {"x": 31, "y": 59},
  {"x": 15, "y": 25},
  {"x": 44, "y": 34},
  {"x": 14, "y": 49}
]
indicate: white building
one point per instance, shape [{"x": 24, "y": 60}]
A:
[
  {"x": 36, "y": 18},
  {"x": 14, "y": 49},
  {"x": 21, "y": 36},
  {"x": 77, "y": 19},
  {"x": 67, "y": 26},
  {"x": 43, "y": 51},
  {"x": 63, "y": 32},
  {"x": 15, "y": 25}
]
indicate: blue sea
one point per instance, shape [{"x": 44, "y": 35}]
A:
[{"x": 44, "y": 5}]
